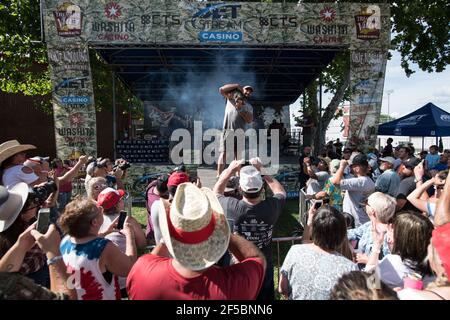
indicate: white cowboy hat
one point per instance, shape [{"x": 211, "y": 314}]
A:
[
  {"x": 11, "y": 203},
  {"x": 12, "y": 147},
  {"x": 194, "y": 228}
]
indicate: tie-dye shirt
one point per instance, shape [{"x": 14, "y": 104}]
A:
[
  {"x": 335, "y": 194},
  {"x": 82, "y": 261}
]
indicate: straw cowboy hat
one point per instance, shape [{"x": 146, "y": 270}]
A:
[
  {"x": 11, "y": 203},
  {"x": 194, "y": 228},
  {"x": 12, "y": 147}
]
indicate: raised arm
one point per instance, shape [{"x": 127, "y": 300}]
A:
[
  {"x": 219, "y": 187},
  {"x": 49, "y": 243},
  {"x": 414, "y": 197},
  {"x": 224, "y": 90},
  {"x": 337, "y": 178},
  {"x": 442, "y": 214},
  {"x": 68, "y": 177},
  {"x": 117, "y": 262},
  {"x": 306, "y": 238},
  {"x": 274, "y": 185},
  {"x": 243, "y": 249},
  {"x": 308, "y": 169},
  {"x": 12, "y": 260}
]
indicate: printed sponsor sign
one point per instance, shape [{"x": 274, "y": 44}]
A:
[
  {"x": 368, "y": 23},
  {"x": 220, "y": 36},
  {"x": 68, "y": 19},
  {"x": 75, "y": 100}
]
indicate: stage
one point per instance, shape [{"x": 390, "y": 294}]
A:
[{"x": 141, "y": 174}]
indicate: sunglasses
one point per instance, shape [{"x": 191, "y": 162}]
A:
[
  {"x": 98, "y": 186},
  {"x": 31, "y": 208}
]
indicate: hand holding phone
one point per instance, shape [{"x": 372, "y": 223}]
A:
[
  {"x": 318, "y": 204},
  {"x": 43, "y": 220},
  {"x": 122, "y": 217}
]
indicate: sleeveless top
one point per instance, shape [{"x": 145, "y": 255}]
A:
[
  {"x": 117, "y": 238},
  {"x": 82, "y": 261}
]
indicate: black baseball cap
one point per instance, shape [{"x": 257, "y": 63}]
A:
[
  {"x": 359, "y": 160},
  {"x": 411, "y": 163},
  {"x": 347, "y": 150}
]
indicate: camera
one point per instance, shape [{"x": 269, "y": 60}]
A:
[
  {"x": 39, "y": 194},
  {"x": 122, "y": 166},
  {"x": 180, "y": 168}
]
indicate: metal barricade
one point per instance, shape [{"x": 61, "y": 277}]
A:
[
  {"x": 277, "y": 241},
  {"x": 78, "y": 187},
  {"x": 304, "y": 204}
]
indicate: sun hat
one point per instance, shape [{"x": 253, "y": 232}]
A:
[
  {"x": 194, "y": 228},
  {"x": 441, "y": 242},
  {"x": 250, "y": 179},
  {"x": 11, "y": 203},
  {"x": 109, "y": 197},
  {"x": 12, "y": 147}
]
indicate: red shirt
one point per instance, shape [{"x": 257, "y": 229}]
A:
[
  {"x": 154, "y": 278},
  {"x": 63, "y": 187}
]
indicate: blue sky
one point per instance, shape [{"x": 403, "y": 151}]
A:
[{"x": 410, "y": 93}]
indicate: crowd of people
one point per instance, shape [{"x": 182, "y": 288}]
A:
[{"x": 377, "y": 228}]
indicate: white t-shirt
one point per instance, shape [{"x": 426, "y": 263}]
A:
[{"x": 14, "y": 175}]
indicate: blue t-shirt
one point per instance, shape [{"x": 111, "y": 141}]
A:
[
  {"x": 440, "y": 167},
  {"x": 432, "y": 159}
]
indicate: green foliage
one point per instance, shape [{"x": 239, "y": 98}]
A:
[
  {"x": 386, "y": 118},
  {"x": 23, "y": 58},
  {"x": 24, "y": 66},
  {"x": 102, "y": 82},
  {"x": 420, "y": 33}
]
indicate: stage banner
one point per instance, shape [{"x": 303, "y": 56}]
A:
[
  {"x": 73, "y": 101},
  {"x": 233, "y": 23},
  {"x": 367, "y": 73},
  {"x": 73, "y": 25}
]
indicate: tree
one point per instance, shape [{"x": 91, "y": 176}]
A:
[{"x": 23, "y": 60}]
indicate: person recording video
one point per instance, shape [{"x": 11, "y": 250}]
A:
[
  {"x": 19, "y": 209},
  {"x": 103, "y": 167}
]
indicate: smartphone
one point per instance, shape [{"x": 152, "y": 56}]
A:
[
  {"x": 122, "y": 217},
  {"x": 317, "y": 204},
  {"x": 43, "y": 220}
]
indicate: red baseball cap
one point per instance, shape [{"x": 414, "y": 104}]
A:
[
  {"x": 109, "y": 197},
  {"x": 441, "y": 242},
  {"x": 177, "y": 178}
]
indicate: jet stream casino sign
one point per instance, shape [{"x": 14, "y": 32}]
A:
[{"x": 180, "y": 22}]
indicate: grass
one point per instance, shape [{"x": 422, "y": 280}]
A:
[{"x": 287, "y": 226}]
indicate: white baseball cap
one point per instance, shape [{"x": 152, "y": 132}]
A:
[{"x": 250, "y": 179}]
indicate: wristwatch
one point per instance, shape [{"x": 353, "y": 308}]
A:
[{"x": 53, "y": 260}]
